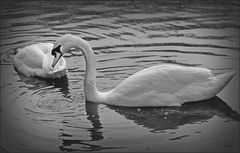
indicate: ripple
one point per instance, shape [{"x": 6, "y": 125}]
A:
[
  {"x": 164, "y": 44},
  {"x": 51, "y": 105},
  {"x": 179, "y": 137},
  {"x": 186, "y": 52}
]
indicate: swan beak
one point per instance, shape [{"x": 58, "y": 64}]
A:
[{"x": 56, "y": 58}]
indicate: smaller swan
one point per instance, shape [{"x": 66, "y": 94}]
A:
[
  {"x": 35, "y": 60},
  {"x": 161, "y": 85}
]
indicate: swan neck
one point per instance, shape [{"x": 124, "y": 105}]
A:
[{"x": 90, "y": 88}]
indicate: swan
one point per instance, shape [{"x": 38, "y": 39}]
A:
[
  {"x": 36, "y": 60},
  {"x": 161, "y": 85}
]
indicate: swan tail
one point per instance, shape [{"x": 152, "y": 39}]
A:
[{"x": 223, "y": 79}]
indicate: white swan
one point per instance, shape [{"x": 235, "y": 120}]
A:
[
  {"x": 36, "y": 60},
  {"x": 161, "y": 85}
]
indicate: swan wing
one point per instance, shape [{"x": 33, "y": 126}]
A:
[
  {"x": 46, "y": 48},
  {"x": 32, "y": 55},
  {"x": 29, "y": 59},
  {"x": 160, "y": 85}
]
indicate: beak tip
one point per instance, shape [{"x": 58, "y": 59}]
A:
[{"x": 56, "y": 59}]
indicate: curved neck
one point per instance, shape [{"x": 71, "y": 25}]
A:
[{"x": 90, "y": 88}]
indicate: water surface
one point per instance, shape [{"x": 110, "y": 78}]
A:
[{"x": 126, "y": 36}]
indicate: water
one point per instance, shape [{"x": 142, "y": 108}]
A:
[{"x": 126, "y": 36}]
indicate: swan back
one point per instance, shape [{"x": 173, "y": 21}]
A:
[
  {"x": 167, "y": 85},
  {"x": 31, "y": 56},
  {"x": 165, "y": 78}
]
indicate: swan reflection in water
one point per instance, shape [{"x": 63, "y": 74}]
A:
[
  {"x": 95, "y": 133},
  {"x": 36, "y": 83},
  {"x": 156, "y": 119},
  {"x": 163, "y": 118}
]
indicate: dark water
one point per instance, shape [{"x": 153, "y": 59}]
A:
[{"x": 126, "y": 36}]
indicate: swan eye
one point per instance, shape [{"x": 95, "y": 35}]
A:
[{"x": 57, "y": 49}]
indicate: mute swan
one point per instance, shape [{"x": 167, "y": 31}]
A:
[
  {"x": 161, "y": 85},
  {"x": 36, "y": 60}
]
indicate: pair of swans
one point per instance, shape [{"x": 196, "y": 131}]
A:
[{"x": 161, "y": 85}]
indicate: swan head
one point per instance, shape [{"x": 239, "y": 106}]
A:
[
  {"x": 62, "y": 45},
  {"x": 65, "y": 44}
]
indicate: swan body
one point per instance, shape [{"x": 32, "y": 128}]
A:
[
  {"x": 36, "y": 60},
  {"x": 161, "y": 85},
  {"x": 167, "y": 85}
]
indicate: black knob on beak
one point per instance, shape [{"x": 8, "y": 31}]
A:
[
  {"x": 57, "y": 49},
  {"x": 53, "y": 53}
]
